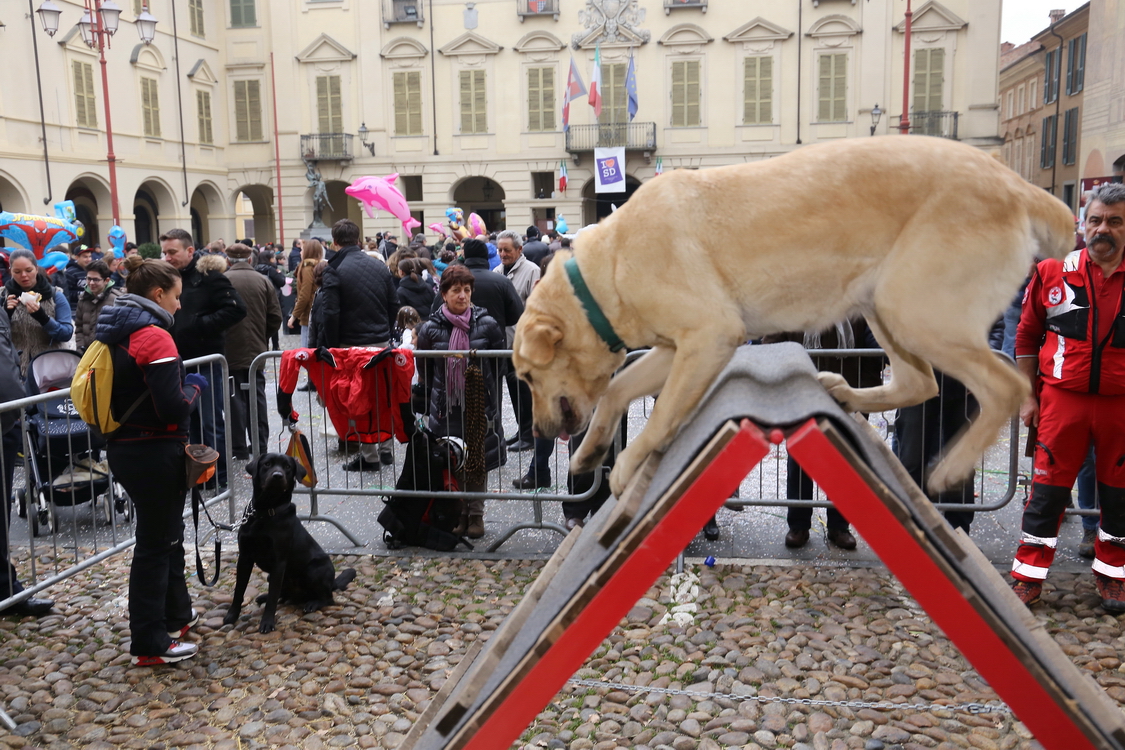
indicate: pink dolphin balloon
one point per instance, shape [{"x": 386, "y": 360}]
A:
[
  {"x": 380, "y": 192},
  {"x": 438, "y": 228},
  {"x": 409, "y": 224},
  {"x": 476, "y": 225}
]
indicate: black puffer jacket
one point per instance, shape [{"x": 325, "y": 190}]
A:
[
  {"x": 484, "y": 333},
  {"x": 418, "y": 294},
  {"x": 360, "y": 304},
  {"x": 144, "y": 357},
  {"x": 209, "y": 306}
]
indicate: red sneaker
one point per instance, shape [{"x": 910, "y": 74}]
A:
[
  {"x": 1112, "y": 592},
  {"x": 176, "y": 652},
  {"x": 178, "y": 634},
  {"x": 1028, "y": 592}
]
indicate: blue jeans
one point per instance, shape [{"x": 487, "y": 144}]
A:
[
  {"x": 207, "y": 424},
  {"x": 1011, "y": 321},
  {"x": 1088, "y": 491}
]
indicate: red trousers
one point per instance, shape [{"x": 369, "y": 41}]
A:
[{"x": 1068, "y": 422}]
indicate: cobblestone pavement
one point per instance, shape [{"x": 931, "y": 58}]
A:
[{"x": 359, "y": 673}]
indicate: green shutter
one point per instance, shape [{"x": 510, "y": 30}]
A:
[
  {"x": 414, "y": 102},
  {"x": 254, "y": 106},
  {"x": 480, "y": 103},
  {"x": 323, "y": 105},
  {"x": 929, "y": 77},
  {"x": 242, "y": 13},
  {"x": 402, "y": 126},
  {"x": 79, "y": 94},
  {"x": 757, "y": 91},
  {"x": 547, "y": 83},
  {"x": 679, "y": 93},
  {"x": 241, "y": 113},
  {"x": 534, "y": 100},
  {"x": 203, "y": 111},
  {"x": 85, "y": 106},
  {"x": 195, "y": 15},
  {"x": 150, "y": 103},
  {"x": 824, "y": 95}
]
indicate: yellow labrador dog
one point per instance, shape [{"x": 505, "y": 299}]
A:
[{"x": 927, "y": 238}]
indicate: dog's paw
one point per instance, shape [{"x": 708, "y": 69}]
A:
[
  {"x": 836, "y": 386},
  {"x": 947, "y": 475},
  {"x": 588, "y": 457},
  {"x": 267, "y": 625},
  {"x": 313, "y": 606},
  {"x": 261, "y": 598},
  {"x": 623, "y": 470},
  {"x": 232, "y": 616}
]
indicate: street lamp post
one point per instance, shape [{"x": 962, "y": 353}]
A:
[
  {"x": 875, "y": 115},
  {"x": 904, "y": 123},
  {"x": 98, "y": 24}
]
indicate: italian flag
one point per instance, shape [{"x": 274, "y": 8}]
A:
[
  {"x": 596, "y": 82},
  {"x": 562, "y": 176}
]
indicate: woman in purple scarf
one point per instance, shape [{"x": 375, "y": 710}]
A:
[{"x": 458, "y": 325}]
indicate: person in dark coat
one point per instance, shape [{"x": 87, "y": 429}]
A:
[
  {"x": 209, "y": 307},
  {"x": 535, "y": 249},
  {"x": 246, "y": 340},
  {"x": 413, "y": 290},
  {"x": 75, "y": 273},
  {"x": 459, "y": 325},
  {"x": 267, "y": 266},
  {"x": 100, "y": 292},
  {"x": 359, "y": 309},
  {"x": 295, "y": 256}
]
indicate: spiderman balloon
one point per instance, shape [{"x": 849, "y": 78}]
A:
[{"x": 41, "y": 233}]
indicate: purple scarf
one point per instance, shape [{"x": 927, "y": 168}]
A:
[{"x": 455, "y": 366}]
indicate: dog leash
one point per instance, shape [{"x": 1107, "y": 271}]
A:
[{"x": 196, "y": 502}]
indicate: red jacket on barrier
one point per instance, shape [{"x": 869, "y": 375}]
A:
[
  {"x": 363, "y": 389},
  {"x": 1073, "y": 321}
]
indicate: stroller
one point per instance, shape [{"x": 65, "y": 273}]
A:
[{"x": 63, "y": 466}]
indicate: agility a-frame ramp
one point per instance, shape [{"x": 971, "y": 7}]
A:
[{"x": 767, "y": 395}]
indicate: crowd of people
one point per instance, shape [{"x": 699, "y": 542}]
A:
[{"x": 1067, "y": 333}]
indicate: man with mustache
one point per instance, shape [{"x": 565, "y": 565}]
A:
[{"x": 1071, "y": 345}]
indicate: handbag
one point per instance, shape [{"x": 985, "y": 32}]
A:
[{"x": 299, "y": 449}]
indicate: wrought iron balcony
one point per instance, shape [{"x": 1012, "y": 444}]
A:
[
  {"x": 526, "y": 8},
  {"x": 327, "y": 147},
  {"x": 402, "y": 11},
  {"x": 636, "y": 136},
  {"x": 940, "y": 124},
  {"x": 670, "y": 5}
]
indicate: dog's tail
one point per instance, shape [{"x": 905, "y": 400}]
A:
[
  {"x": 1052, "y": 224},
  {"x": 347, "y": 575}
]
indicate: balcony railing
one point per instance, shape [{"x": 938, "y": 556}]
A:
[
  {"x": 637, "y": 136},
  {"x": 327, "y": 147},
  {"x": 537, "y": 8},
  {"x": 402, "y": 11},
  {"x": 940, "y": 124},
  {"x": 670, "y": 5}
]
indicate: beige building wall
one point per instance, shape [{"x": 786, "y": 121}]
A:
[
  {"x": 1103, "y": 121},
  {"x": 290, "y": 44}
]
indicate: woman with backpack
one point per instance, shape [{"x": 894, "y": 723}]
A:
[{"x": 153, "y": 400}]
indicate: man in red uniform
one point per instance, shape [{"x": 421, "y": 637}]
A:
[{"x": 1071, "y": 345}]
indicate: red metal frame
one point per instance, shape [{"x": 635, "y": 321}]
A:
[
  {"x": 628, "y": 584},
  {"x": 894, "y": 544},
  {"x": 929, "y": 585}
]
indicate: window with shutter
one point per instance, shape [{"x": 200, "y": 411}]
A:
[
  {"x": 242, "y": 13},
  {"x": 407, "y": 86},
  {"x": 540, "y": 99},
  {"x": 1052, "y": 66},
  {"x": 138, "y": 7},
  {"x": 1048, "y": 142},
  {"x": 929, "y": 76},
  {"x": 85, "y": 107},
  {"x": 203, "y": 112},
  {"x": 757, "y": 91},
  {"x": 615, "y": 100},
  {"x": 1077, "y": 65},
  {"x": 1032, "y": 101},
  {"x": 474, "y": 102},
  {"x": 685, "y": 94},
  {"x": 329, "y": 109},
  {"x": 195, "y": 16},
  {"x": 1070, "y": 137},
  {"x": 833, "y": 69},
  {"x": 150, "y": 107},
  {"x": 247, "y": 111}
]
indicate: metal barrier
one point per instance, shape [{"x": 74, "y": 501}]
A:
[
  {"x": 61, "y": 470},
  {"x": 996, "y": 482},
  {"x": 315, "y": 422}
]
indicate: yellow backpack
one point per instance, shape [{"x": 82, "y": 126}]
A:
[{"x": 91, "y": 390}]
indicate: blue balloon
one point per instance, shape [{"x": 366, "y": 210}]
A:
[
  {"x": 561, "y": 225},
  {"x": 117, "y": 241},
  {"x": 56, "y": 260}
]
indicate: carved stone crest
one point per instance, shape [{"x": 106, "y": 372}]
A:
[{"x": 610, "y": 22}]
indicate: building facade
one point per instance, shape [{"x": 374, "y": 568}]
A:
[
  {"x": 464, "y": 101},
  {"x": 1102, "y": 154},
  {"x": 1021, "y": 75}
]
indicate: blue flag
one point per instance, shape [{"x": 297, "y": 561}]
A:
[{"x": 631, "y": 89}]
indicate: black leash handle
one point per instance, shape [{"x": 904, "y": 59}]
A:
[{"x": 196, "y": 502}]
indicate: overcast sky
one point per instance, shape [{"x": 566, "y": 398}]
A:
[{"x": 1023, "y": 18}]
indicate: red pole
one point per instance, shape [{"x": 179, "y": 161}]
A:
[
  {"x": 277, "y": 156},
  {"x": 904, "y": 123},
  {"x": 99, "y": 34}
]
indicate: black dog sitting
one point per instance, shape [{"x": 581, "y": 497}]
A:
[{"x": 271, "y": 537}]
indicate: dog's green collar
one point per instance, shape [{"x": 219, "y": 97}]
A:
[{"x": 593, "y": 311}]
